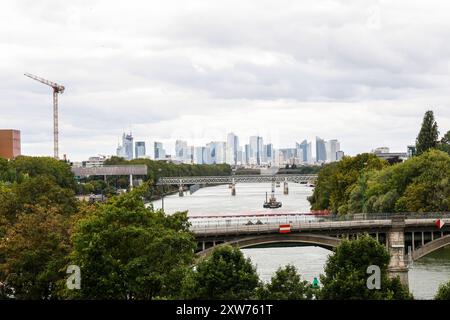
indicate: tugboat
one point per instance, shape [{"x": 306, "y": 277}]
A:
[{"x": 272, "y": 203}]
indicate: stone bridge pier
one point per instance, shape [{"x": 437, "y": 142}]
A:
[
  {"x": 285, "y": 187},
  {"x": 396, "y": 246},
  {"x": 233, "y": 187},
  {"x": 180, "y": 189}
]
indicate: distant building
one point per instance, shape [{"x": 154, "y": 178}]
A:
[
  {"x": 159, "y": 152},
  {"x": 381, "y": 150},
  {"x": 217, "y": 152},
  {"x": 139, "y": 149},
  {"x": 9, "y": 143},
  {"x": 181, "y": 150},
  {"x": 339, "y": 155},
  {"x": 198, "y": 155},
  {"x": 94, "y": 162},
  {"x": 392, "y": 157},
  {"x": 411, "y": 151},
  {"x": 286, "y": 156},
  {"x": 304, "y": 151},
  {"x": 321, "y": 152},
  {"x": 268, "y": 154},
  {"x": 332, "y": 147},
  {"x": 256, "y": 150},
  {"x": 233, "y": 145},
  {"x": 246, "y": 154},
  {"x": 189, "y": 155},
  {"x": 125, "y": 150}
]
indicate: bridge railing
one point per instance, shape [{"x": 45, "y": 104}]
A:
[
  {"x": 262, "y": 218},
  {"x": 280, "y": 219},
  {"x": 427, "y": 215},
  {"x": 229, "y": 229}
]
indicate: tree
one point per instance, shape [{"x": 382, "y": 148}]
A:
[
  {"x": 41, "y": 190},
  {"x": 126, "y": 250},
  {"x": 443, "y": 292},
  {"x": 345, "y": 272},
  {"x": 444, "y": 144},
  {"x": 419, "y": 184},
  {"x": 286, "y": 284},
  {"x": 428, "y": 135},
  {"x": 336, "y": 181},
  {"x": 33, "y": 254},
  {"x": 225, "y": 274}
]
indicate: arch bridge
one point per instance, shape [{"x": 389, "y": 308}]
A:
[{"x": 407, "y": 237}]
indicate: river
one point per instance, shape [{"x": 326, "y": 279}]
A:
[{"x": 425, "y": 275}]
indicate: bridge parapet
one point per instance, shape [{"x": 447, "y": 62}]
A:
[
  {"x": 207, "y": 230},
  {"x": 296, "y": 178}
]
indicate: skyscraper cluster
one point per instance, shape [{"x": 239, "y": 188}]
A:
[
  {"x": 125, "y": 149},
  {"x": 255, "y": 153}
]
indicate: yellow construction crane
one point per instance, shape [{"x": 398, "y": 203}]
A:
[{"x": 56, "y": 89}]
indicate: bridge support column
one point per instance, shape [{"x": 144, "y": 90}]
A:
[
  {"x": 180, "y": 190},
  {"x": 131, "y": 181},
  {"x": 396, "y": 246},
  {"x": 286, "y": 187}
]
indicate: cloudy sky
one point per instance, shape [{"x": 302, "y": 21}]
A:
[{"x": 363, "y": 72}]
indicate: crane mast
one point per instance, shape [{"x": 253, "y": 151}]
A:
[{"x": 56, "y": 89}]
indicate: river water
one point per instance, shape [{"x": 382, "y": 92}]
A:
[{"x": 425, "y": 275}]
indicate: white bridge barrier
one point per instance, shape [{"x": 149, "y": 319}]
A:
[{"x": 299, "y": 222}]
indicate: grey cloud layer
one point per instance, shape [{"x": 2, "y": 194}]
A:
[{"x": 159, "y": 65}]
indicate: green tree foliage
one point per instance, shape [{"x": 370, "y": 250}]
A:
[
  {"x": 40, "y": 190},
  {"x": 286, "y": 284},
  {"x": 225, "y": 274},
  {"x": 420, "y": 184},
  {"x": 428, "y": 135},
  {"x": 345, "y": 273},
  {"x": 128, "y": 251},
  {"x": 38, "y": 166},
  {"x": 444, "y": 144},
  {"x": 443, "y": 292},
  {"x": 33, "y": 254},
  {"x": 337, "y": 181}
]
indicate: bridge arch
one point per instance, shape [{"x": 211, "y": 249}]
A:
[
  {"x": 248, "y": 242},
  {"x": 431, "y": 247}
]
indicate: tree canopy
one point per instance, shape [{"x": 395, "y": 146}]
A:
[
  {"x": 286, "y": 284},
  {"x": 225, "y": 274},
  {"x": 346, "y": 272},
  {"x": 129, "y": 251},
  {"x": 336, "y": 182},
  {"x": 428, "y": 135},
  {"x": 443, "y": 292}
]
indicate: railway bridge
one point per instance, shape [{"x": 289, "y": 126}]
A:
[
  {"x": 232, "y": 180},
  {"x": 407, "y": 237}
]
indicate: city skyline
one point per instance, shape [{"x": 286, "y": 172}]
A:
[
  {"x": 234, "y": 151},
  {"x": 326, "y": 71}
]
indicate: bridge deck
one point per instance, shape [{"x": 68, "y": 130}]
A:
[
  {"x": 296, "y": 178},
  {"x": 224, "y": 229}
]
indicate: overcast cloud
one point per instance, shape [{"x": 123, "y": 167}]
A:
[{"x": 363, "y": 72}]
